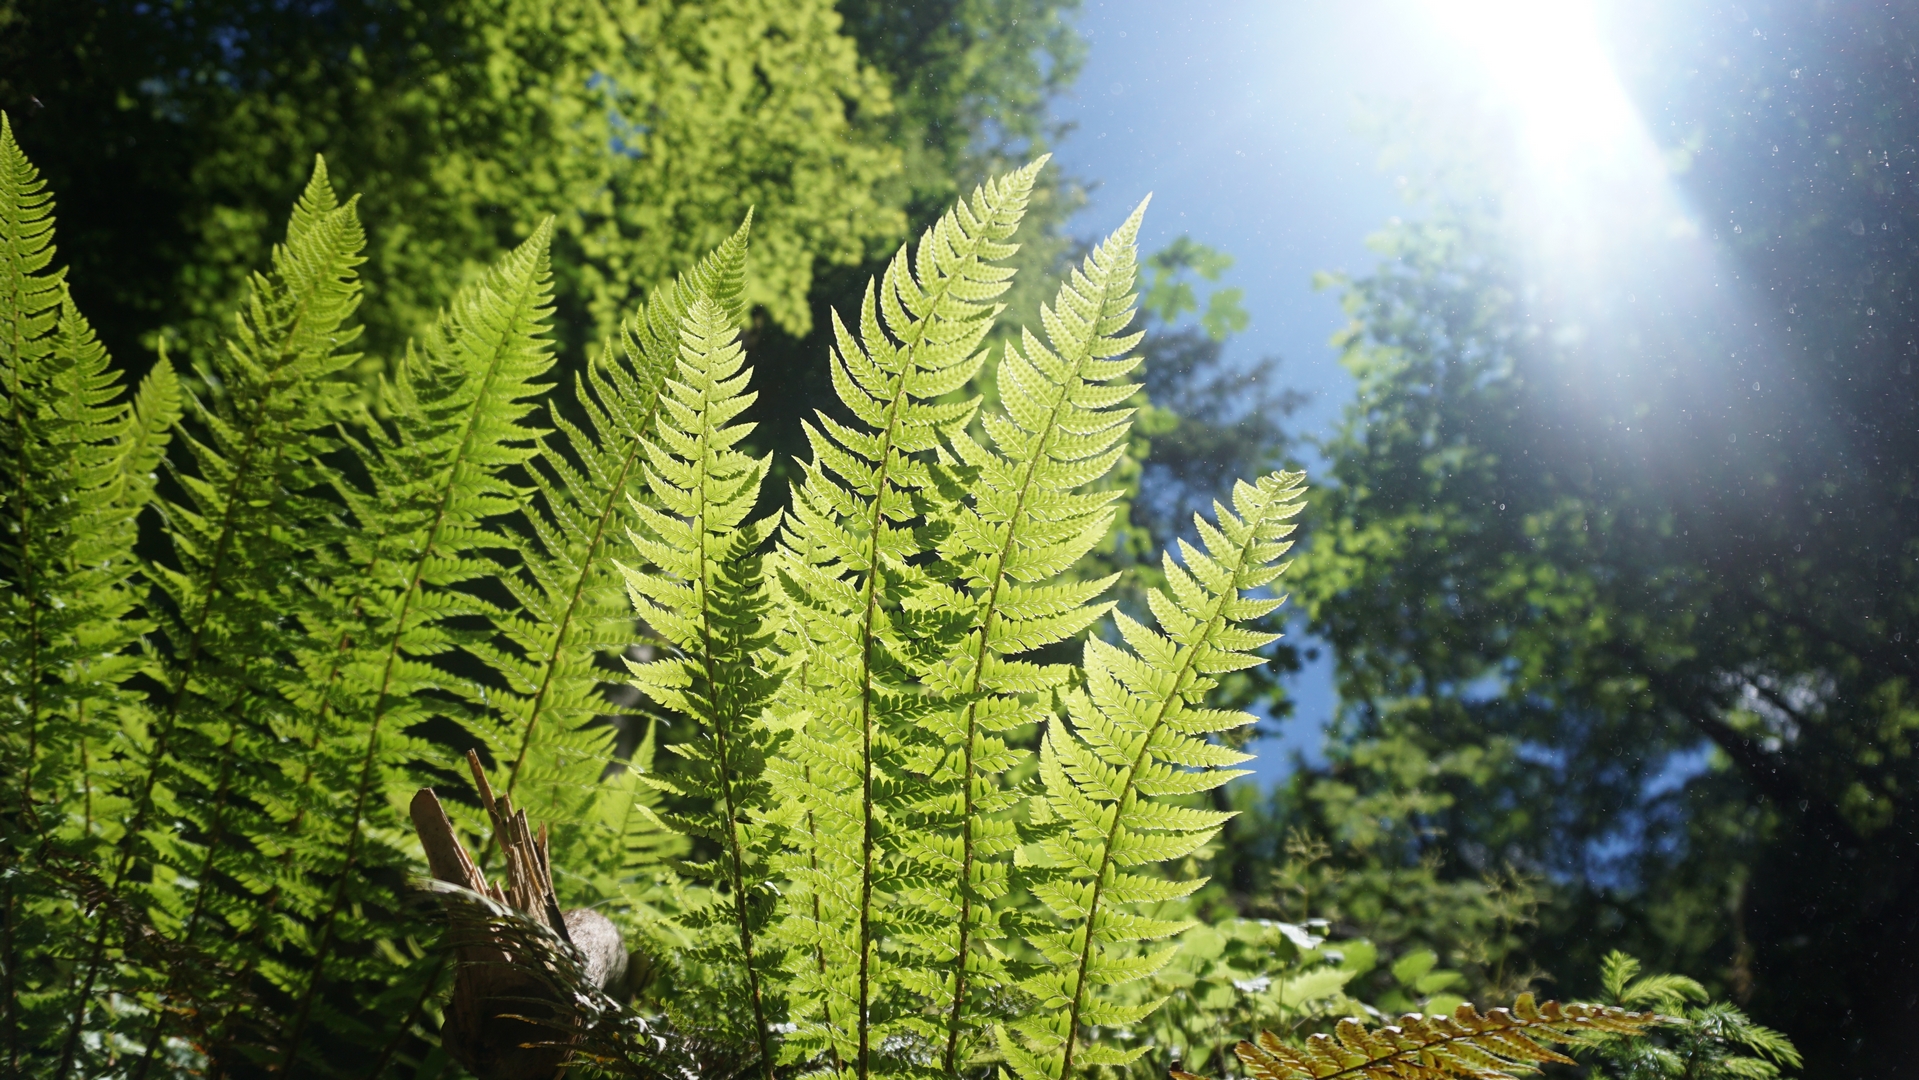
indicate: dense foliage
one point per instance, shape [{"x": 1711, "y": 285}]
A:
[
  {"x": 239, "y": 905},
  {"x": 177, "y": 132}
]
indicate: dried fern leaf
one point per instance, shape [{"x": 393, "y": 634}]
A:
[{"x": 1498, "y": 1045}]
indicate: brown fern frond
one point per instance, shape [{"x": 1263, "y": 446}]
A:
[{"x": 1491, "y": 1046}]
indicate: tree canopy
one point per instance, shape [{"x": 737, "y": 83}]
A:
[{"x": 1619, "y": 584}]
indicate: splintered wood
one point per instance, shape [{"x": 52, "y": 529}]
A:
[{"x": 494, "y": 1024}]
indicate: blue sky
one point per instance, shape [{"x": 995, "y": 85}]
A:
[{"x": 1241, "y": 119}]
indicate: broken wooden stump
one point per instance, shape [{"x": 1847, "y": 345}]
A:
[{"x": 504, "y": 1020}]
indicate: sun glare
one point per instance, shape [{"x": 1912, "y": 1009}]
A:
[
  {"x": 1546, "y": 60},
  {"x": 1592, "y": 207}
]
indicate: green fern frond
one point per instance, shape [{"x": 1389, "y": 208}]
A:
[
  {"x": 243, "y": 542},
  {"x": 707, "y": 598},
  {"x": 80, "y": 462},
  {"x": 1494, "y": 1046},
  {"x": 1058, "y": 431},
  {"x": 862, "y": 607},
  {"x": 626, "y": 811},
  {"x": 30, "y": 297},
  {"x": 1615, "y": 971},
  {"x": 437, "y": 481},
  {"x": 1139, "y": 731},
  {"x": 572, "y": 607},
  {"x": 1712, "y": 1041}
]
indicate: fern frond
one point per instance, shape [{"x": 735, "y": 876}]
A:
[
  {"x": 1058, "y": 430},
  {"x": 1493, "y": 1046},
  {"x": 707, "y": 597},
  {"x": 1139, "y": 731},
  {"x": 1712, "y": 1041},
  {"x": 1615, "y": 971},
  {"x": 863, "y": 607},
  {"x": 572, "y": 607},
  {"x": 456, "y": 409},
  {"x": 79, "y": 461},
  {"x": 626, "y": 814},
  {"x": 206, "y": 788},
  {"x": 30, "y": 297}
]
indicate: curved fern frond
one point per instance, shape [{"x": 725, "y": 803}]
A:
[
  {"x": 1139, "y": 730},
  {"x": 863, "y": 607},
  {"x": 456, "y": 409},
  {"x": 1494, "y": 1046},
  {"x": 572, "y": 606},
  {"x": 80, "y": 462},
  {"x": 707, "y": 597},
  {"x": 243, "y": 545},
  {"x": 1058, "y": 430}
]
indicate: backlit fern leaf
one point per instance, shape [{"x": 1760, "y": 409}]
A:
[
  {"x": 437, "y": 480},
  {"x": 1030, "y": 519},
  {"x": 572, "y": 607},
  {"x": 1139, "y": 730},
  {"x": 1493, "y": 1046},
  {"x": 79, "y": 462},
  {"x": 866, "y": 613},
  {"x": 706, "y": 596},
  {"x": 208, "y": 781}
]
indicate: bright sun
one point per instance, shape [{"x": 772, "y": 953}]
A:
[{"x": 1545, "y": 58}]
